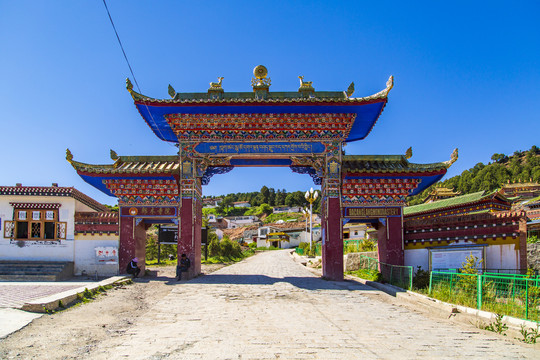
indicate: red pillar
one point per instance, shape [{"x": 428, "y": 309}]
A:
[
  {"x": 189, "y": 241},
  {"x": 332, "y": 249},
  {"x": 132, "y": 243},
  {"x": 390, "y": 241}
]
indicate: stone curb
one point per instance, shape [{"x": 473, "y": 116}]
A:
[
  {"x": 413, "y": 297},
  {"x": 67, "y": 297}
]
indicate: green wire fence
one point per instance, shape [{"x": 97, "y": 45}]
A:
[
  {"x": 508, "y": 294},
  {"x": 401, "y": 276}
]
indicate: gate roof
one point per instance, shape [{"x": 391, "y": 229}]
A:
[{"x": 220, "y": 115}]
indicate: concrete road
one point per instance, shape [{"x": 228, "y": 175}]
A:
[{"x": 269, "y": 307}]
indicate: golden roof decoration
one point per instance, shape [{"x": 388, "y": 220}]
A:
[
  {"x": 171, "y": 91},
  {"x": 216, "y": 85},
  {"x": 350, "y": 90},
  {"x": 408, "y": 153},
  {"x": 69, "y": 155},
  {"x": 260, "y": 81},
  {"x": 305, "y": 85}
]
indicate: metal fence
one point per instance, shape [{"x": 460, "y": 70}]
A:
[
  {"x": 401, "y": 276},
  {"x": 508, "y": 294},
  {"x": 352, "y": 243},
  {"x": 301, "y": 251}
]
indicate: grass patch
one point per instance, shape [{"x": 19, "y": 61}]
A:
[
  {"x": 367, "y": 274},
  {"x": 162, "y": 262}
]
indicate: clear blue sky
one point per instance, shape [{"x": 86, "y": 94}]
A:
[{"x": 467, "y": 75}]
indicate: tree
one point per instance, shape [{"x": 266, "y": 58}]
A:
[
  {"x": 225, "y": 204},
  {"x": 280, "y": 198}
]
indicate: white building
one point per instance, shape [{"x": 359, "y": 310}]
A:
[
  {"x": 354, "y": 231},
  {"x": 55, "y": 223},
  {"x": 234, "y": 222},
  {"x": 241, "y": 204}
]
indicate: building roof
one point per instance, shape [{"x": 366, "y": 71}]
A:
[
  {"x": 391, "y": 164},
  {"x": 53, "y": 191},
  {"x": 129, "y": 165},
  {"x": 215, "y": 110},
  {"x": 452, "y": 202},
  {"x": 520, "y": 185},
  {"x": 397, "y": 167}
]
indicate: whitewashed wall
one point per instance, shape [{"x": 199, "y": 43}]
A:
[
  {"x": 85, "y": 254},
  {"x": 29, "y": 250},
  {"x": 417, "y": 257},
  {"x": 501, "y": 257},
  {"x": 81, "y": 251}
]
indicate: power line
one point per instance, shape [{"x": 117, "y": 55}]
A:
[
  {"x": 122, "y": 47},
  {"x": 131, "y": 70}
]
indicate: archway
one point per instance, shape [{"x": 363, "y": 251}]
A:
[{"x": 217, "y": 131}]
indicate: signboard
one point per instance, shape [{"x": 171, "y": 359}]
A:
[
  {"x": 235, "y": 148},
  {"x": 371, "y": 212},
  {"x": 443, "y": 259},
  {"x": 149, "y": 211},
  {"x": 168, "y": 235},
  {"x": 107, "y": 255}
]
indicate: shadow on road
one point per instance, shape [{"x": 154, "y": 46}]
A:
[{"x": 303, "y": 282}]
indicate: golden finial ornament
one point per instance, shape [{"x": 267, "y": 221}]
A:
[
  {"x": 305, "y": 85},
  {"x": 172, "y": 92},
  {"x": 350, "y": 90},
  {"x": 217, "y": 85},
  {"x": 260, "y": 81},
  {"x": 114, "y": 155},
  {"x": 454, "y": 156},
  {"x": 260, "y": 72},
  {"x": 408, "y": 153},
  {"x": 129, "y": 85},
  {"x": 69, "y": 155}
]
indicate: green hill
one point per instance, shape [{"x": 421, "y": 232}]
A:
[{"x": 522, "y": 166}]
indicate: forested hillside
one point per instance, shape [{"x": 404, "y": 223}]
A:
[
  {"x": 522, "y": 166},
  {"x": 266, "y": 195}
]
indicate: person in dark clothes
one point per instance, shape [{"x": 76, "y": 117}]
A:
[
  {"x": 183, "y": 267},
  {"x": 133, "y": 268}
]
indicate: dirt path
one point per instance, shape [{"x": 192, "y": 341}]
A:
[{"x": 74, "y": 332}]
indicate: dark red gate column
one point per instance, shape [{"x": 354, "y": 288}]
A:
[
  {"x": 190, "y": 213},
  {"x": 189, "y": 239},
  {"x": 390, "y": 241},
  {"x": 132, "y": 241},
  {"x": 332, "y": 247},
  {"x": 332, "y": 232}
]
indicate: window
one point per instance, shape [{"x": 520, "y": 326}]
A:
[{"x": 35, "y": 224}]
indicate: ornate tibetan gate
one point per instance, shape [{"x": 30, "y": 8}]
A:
[{"x": 217, "y": 131}]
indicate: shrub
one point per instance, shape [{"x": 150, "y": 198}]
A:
[{"x": 421, "y": 278}]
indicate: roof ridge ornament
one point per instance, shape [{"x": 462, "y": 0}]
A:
[
  {"x": 171, "y": 91},
  {"x": 129, "y": 85},
  {"x": 306, "y": 86},
  {"x": 69, "y": 155},
  {"x": 408, "y": 153},
  {"x": 216, "y": 91},
  {"x": 114, "y": 155},
  {"x": 217, "y": 85},
  {"x": 260, "y": 82},
  {"x": 350, "y": 90},
  {"x": 453, "y": 157}
]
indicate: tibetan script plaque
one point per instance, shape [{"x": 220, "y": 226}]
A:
[{"x": 371, "y": 212}]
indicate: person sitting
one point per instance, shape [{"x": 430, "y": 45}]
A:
[
  {"x": 182, "y": 267},
  {"x": 132, "y": 268}
]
